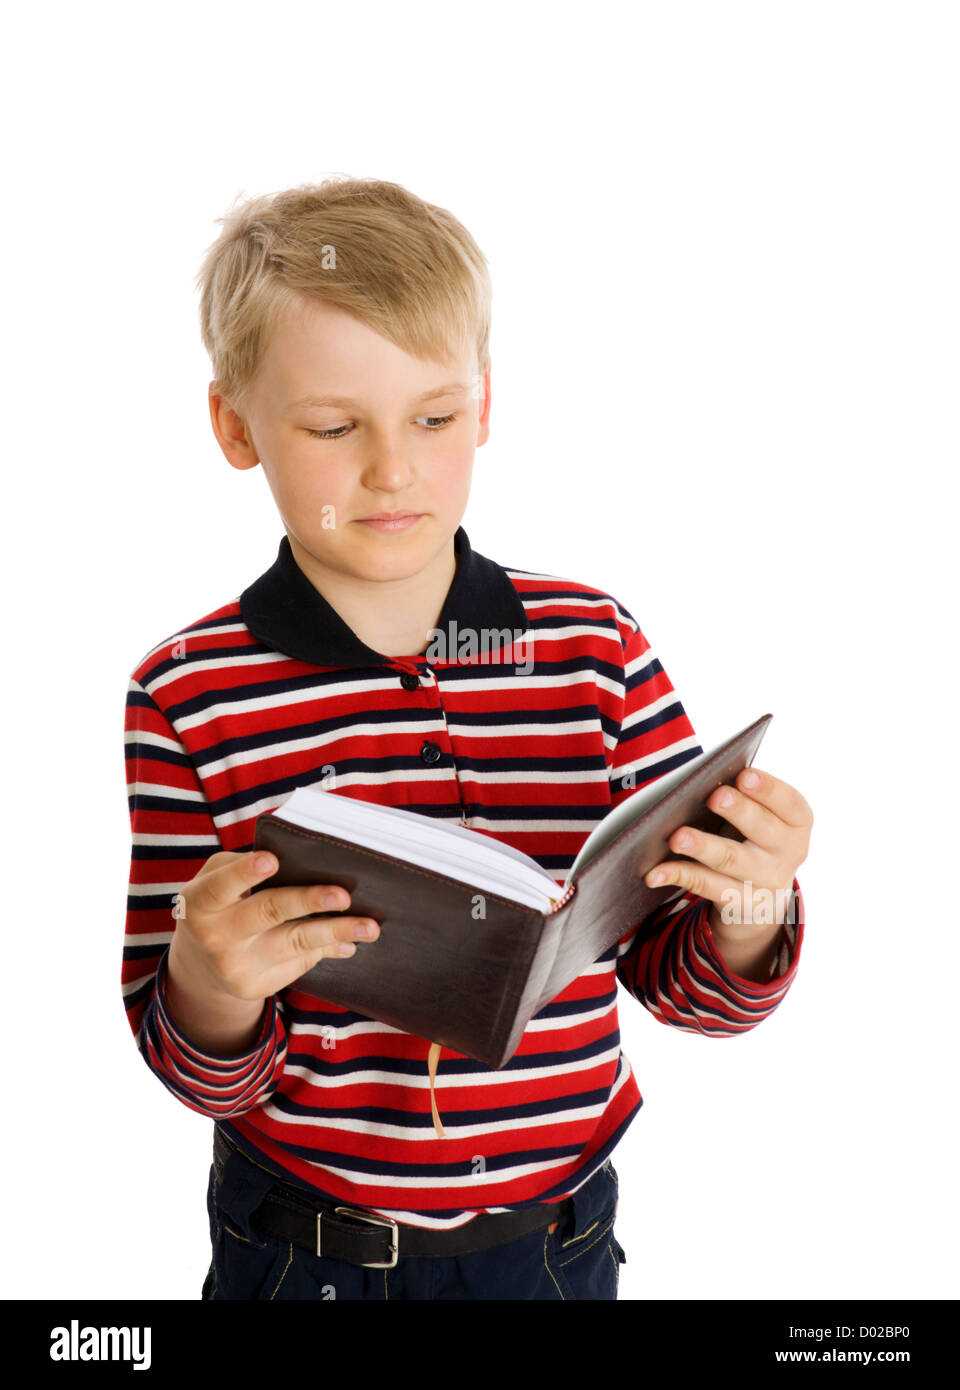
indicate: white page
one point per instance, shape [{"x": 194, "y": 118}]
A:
[{"x": 453, "y": 850}]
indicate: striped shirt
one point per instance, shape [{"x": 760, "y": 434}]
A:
[{"x": 539, "y": 707}]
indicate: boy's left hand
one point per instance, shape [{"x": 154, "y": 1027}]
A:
[{"x": 740, "y": 878}]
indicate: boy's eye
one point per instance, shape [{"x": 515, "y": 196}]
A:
[
  {"x": 329, "y": 434},
  {"x": 433, "y": 423},
  {"x": 437, "y": 422}
]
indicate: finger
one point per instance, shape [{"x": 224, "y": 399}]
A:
[
  {"x": 219, "y": 885},
  {"x": 778, "y": 796},
  {"x": 293, "y": 949},
  {"x": 697, "y": 879},
  {"x": 736, "y": 858},
  {"x": 230, "y": 885},
  {"x": 273, "y": 907},
  {"x": 750, "y": 817}
]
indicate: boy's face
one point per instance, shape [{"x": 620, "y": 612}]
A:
[{"x": 400, "y": 438}]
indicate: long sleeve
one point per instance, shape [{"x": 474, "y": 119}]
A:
[
  {"x": 670, "y": 961},
  {"x": 173, "y": 836}
]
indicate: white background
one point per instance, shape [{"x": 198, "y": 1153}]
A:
[{"x": 724, "y": 244}]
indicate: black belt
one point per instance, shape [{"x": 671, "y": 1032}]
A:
[{"x": 375, "y": 1241}]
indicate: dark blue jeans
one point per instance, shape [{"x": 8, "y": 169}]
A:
[{"x": 581, "y": 1259}]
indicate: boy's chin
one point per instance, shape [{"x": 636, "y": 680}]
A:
[{"x": 366, "y": 552}]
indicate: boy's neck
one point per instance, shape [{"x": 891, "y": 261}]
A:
[{"x": 390, "y": 616}]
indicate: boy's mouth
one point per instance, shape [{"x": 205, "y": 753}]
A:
[{"x": 391, "y": 521}]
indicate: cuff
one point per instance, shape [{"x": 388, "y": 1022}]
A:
[
  {"x": 189, "y": 1050},
  {"x": 785, "y": 962}
]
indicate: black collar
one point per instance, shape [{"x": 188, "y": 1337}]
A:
[{"x": 283, "y": 610}]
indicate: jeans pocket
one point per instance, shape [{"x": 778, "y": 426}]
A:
[
  {"x": 582, "y": 1254},
  {"x": 247, "y": 1262},
  {"x": 245, "y": 1268},
  {"x": 597, "y": 1233},
  {"x": 584, "y": 1266}
]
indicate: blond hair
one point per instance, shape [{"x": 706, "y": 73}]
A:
[{"x": 405, "y": 268}]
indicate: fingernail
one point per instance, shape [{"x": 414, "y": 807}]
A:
[
  {"x": 750, "y": 779},
  {"x": 366, "y": 929},
  {"x": 347, "y": 948},
  {"x": 264, "y": 863},
  {"x": 656, "y": 877}
]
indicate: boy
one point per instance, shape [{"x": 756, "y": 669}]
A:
[{"x": 348, "y": 328}]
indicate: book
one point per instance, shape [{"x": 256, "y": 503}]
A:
[{"x": 475, "y": 936}]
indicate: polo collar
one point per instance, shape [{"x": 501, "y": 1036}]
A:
[{"x": 283, "y": 610}]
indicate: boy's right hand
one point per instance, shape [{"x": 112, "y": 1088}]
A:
[{"x": 236, "y": 944}]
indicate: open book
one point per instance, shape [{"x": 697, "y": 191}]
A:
[{"x": 475, "y": 937}]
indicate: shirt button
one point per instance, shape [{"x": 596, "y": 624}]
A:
[
  {"x": 409, "y": 681},
  {"x": 430, "y": 753}
]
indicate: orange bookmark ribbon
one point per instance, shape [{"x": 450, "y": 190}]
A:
[{"x": 433, "y": 1057}]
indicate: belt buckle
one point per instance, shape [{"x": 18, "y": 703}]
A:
[{"x": 374, "y": 1221}]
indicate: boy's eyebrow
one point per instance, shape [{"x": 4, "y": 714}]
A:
[{"x": 447, "y": 390}]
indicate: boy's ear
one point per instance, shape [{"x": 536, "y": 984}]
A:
[
  {"x": 231, "y": 431},
  {"x": 483, "y": 418}
]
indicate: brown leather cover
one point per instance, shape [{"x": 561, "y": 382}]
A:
[{"x": 443, "y": 973}]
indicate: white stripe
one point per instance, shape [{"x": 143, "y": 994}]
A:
[
  {"x": 132, "y": 985},
  {"x": 271, "y": 803},
  {"x": 652, "y": 759},
  {"x": 187, "y": 635},
  {"x": 191, "y": 667},
  {"x": 556, "y": 581},
  {"x": 338, "y": 1035},
  {"x": 506, "y": 777},
  {"x": 154, "y": 889},
  {"x": 639, "y": 662},
  {"x": 156, "y": 740},
  {"x": 560, "y": 681},
  {"x": 286, "y": 746},
  {"x": 564, "y": 1021},
  {"x": 568, "y": 601},
  {"x": 141, "y": 838},
  {"x": 542, "y": 635},
  {"x": 541, "y": 826},
  {"x": 656, "y": 706},
  {"x": 164, "y": 790},
  {"x": 534, "y": 779},
  {"x": 534, "y": 729},
  {"x": 554, "y": 1118},
  {"x": 309, "y": 695}
]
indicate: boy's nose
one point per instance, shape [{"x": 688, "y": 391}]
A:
[{"x": 387, "y": 468}]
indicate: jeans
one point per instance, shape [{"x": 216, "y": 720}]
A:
[{"x": 579, "y": 1260}]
